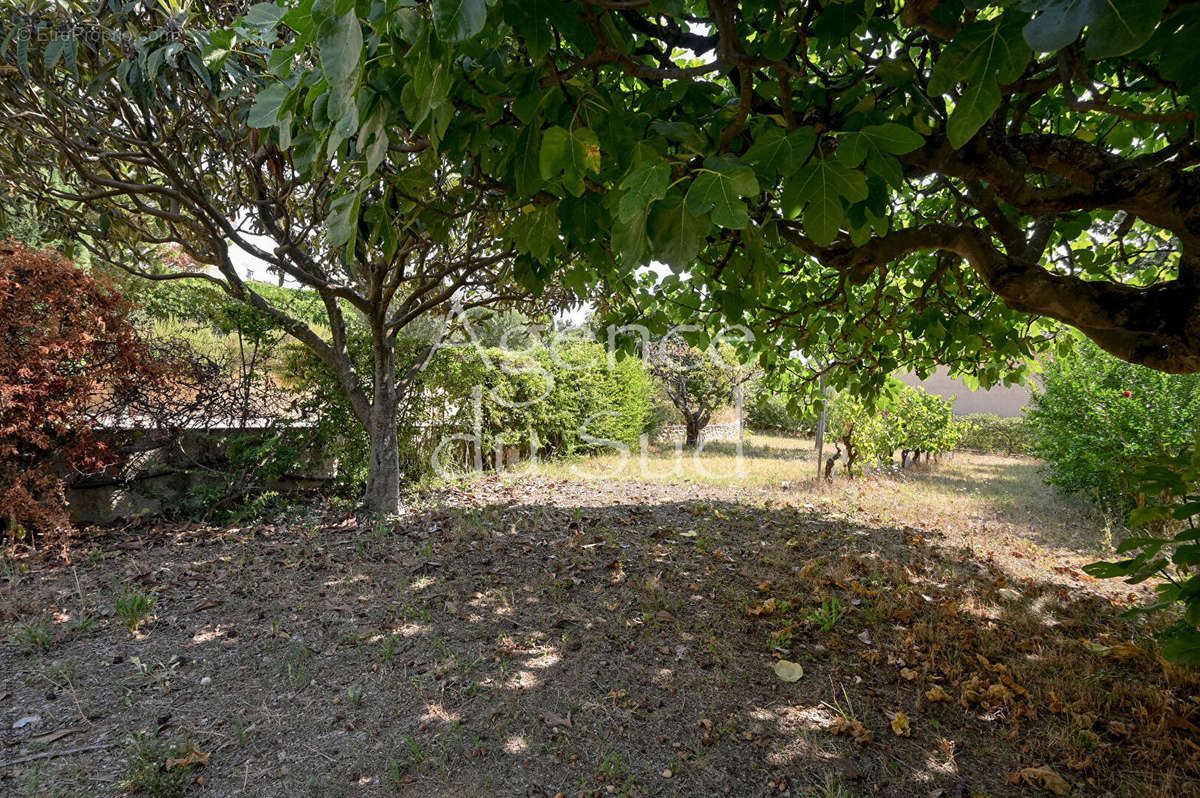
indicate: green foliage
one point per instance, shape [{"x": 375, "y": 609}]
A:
[
  {"x": 1097, "y": 418},
  {"x": 984, "y": 432},
  {"x": 773, "y": 413},
  {"x": 925, "y": 422},
  {"x": 867, "y": 430},
  {"x": 206, "y": 304},
  {"x": 828, "y": 614},
  {"x": 1169, "y": 548},
  {"x": 133, "y": 609},
  {"x": 32, "y": 635},
  {"x": 568, "y": 398},
  {"x": 698, "y": 382},
  {"x": 900, "y": 417},
  {"x": 146, "y": 771}
]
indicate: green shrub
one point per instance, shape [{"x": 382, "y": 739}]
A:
[
  {"x": 204, "y": 303},
  {"x": 569, "y": 400},
  {"x": 771, "y": 413},
  {"x": 1168, "y": 548},
  {"x": 901, "y": 417},
  {"x": 984, "y": 432},
  {"x": 867, "y": 431},
  {"x": 1097, "y": 418},
  {"x": 925, "y": 422}
]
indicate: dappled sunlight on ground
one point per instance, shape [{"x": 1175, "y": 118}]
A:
[{"x": 522, "y": 634}]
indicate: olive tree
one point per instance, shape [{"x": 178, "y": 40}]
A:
[{"x": 142, "y": 128}]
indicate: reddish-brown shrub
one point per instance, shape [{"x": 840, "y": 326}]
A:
[{"x": 65, "y": 343}]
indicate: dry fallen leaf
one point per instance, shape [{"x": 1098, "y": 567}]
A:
[
  {"x": 193, "y": 756},
  {"x": 1045, "y": 778},
  {"x": 50, "y": 737},
  {"x": 787, "y": 670},
  {"x": 765, "y": 608},
  {"x": 908, "y": 674},
  {"x": 936, "y": 693},
  {"x": 861, "y": 734},
  {"x": 900, "y": 725},
  {"x": 1120, "y": 651}
]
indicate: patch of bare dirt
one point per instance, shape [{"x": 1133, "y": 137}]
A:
[{"x": 537, "y": 637}]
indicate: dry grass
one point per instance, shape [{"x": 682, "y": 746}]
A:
[{"x": 531, "y": 635}]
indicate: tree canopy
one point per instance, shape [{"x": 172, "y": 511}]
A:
[{"x": 888, "y": 184}]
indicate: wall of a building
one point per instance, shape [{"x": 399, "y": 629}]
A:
[{"x": 1004, "y": 401}]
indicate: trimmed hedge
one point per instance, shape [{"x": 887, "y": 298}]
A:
[{"x": 984, "y": 432}]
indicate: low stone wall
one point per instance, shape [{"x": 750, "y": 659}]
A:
[
  {"x": 673, "y": 433},
  {"x": 162, "y": 476}
]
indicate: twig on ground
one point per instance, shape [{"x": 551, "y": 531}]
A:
[{"x": 50, "y": 754}]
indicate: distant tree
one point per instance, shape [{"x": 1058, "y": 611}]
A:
[{"x": 698, "y": 382}]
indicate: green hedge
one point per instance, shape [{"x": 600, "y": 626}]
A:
[
  {"x": 770, "y": 413},
  {"x": 984, "y": 432},
  {"x": 569, "y": 400}
]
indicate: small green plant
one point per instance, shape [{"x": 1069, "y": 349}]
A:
[
  {"x": 32, "y": 635},
  {"x": 781, "y": 639},
  {"x": 239, "y": 729},
  {"x": 354, "y": 696},
  {"x": 844, "y": 708},
  {"x": 295, "y": 666},
  {"x": 146, "y": 769},
  {"x": 83, "y": 626},
  {"x": 831, "y": 787},
  {"x": 830, "y": 612},
  {"x": 134, "y": 609},
  {"x": 613, "y": 768},
  {"x": 11, "y": 570},
  {"x": 387, "y": 649}
]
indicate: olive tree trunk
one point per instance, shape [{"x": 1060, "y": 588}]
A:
[{"x": 383, "y": 469}]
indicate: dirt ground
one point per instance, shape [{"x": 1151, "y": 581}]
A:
[{"x": 540, "y": 635}]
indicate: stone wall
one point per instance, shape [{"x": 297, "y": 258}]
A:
[
  {"x": 170, "y": 475},
  {"x": 673, "y": 433}
]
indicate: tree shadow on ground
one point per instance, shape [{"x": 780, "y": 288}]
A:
[{"x": 540, "y": 637}]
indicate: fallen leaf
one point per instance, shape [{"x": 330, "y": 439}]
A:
[
  {"x": 1120, "y": 729},
  {"x": 900, "y": 725},
  {"x": 552, "y": 720},
  {"x": 765, "y": 608},
  {"x": 50, "y": 737},
  {"x": 193, "y": 756},
  {"x": 1120, "y": 651},
  {"x": 908, "y": 674},
  {"x": 1045, "y": 778},
  {"x": 861, "y": 734},
  {"x": 788, "y": 671},
  {"x": 936, "y": 693}
]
